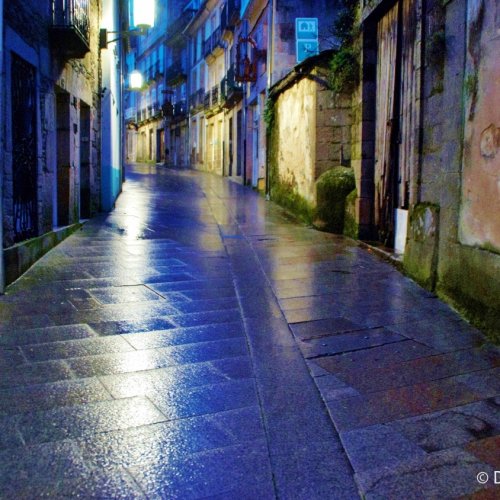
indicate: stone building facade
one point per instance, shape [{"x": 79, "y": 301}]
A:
[
  {"x": 213, "y": 112},
  {"x": 437, "y": 90},
  {"x": 310, "y": 132},
  {"x": 149, "y": 59},
  {"x": 175, "y": 102},
  {"x": 53, "y": 117}
]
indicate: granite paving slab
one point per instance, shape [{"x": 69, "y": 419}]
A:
[{"x": 198, "y": 342}]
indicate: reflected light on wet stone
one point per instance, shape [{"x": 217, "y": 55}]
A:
[
  {"x": 135, "y": 216},
  {"x": 133, "y": 227}
]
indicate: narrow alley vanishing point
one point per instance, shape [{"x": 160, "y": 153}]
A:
[{"x": 197, "y": 343}]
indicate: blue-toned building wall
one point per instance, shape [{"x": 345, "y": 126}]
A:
[
  {"x": 62, "y": 162},
  {"x": 111, "y": 111}
]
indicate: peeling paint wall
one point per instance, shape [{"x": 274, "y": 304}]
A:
[
  {"x": 459, "y": 165},
  {"x": 479, "y": 220},
  {"x": 453, "y": 240},
  {"x": 314, "y": 130},
  {"x": 296, "y": 156}
]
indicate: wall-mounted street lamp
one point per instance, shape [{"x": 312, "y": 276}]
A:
[
  {"x": 136, "y": 81},
  {"x": 144, "y": 14},
  {"x": 144, "y": 18}
]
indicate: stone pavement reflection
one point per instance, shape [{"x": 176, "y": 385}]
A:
[{"x": 197, "y": 343}]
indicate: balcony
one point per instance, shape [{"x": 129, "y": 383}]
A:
[
  {"x": 207, "y": 100},
  {"x": 180, "y": 109},
  {"x": 175, "y": 74},
  {"x": 231, "y": 90},
  {"x": 142, "y": 115},
  {"x": 130, "y": 114},
  {"x": 197, "y": 100},
  {"x": 150, "y": 75},
  {"x": 69, "y": 33},
  {"x": 167, "y": 109},
  {"x": 230, "y": 15},
  {"x": 211, "y": 101},
  {"x": 175, "y": 28},
  {"x": 213, "y": 44},
  {"x": 156, "y": 110},
  {"x": 215, "y": 95}
]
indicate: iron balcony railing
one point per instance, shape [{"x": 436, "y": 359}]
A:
[
  {"x": 212, "y": 42},
  {"x": 175, "y": 73},
  {"x": 180, "y": 109},
  {"x": 230, "y": 15},
  {"x": 71, "y": 13},
  {"x": 156, "y": 110},
  {"x": 215, "y": 95},
  {"x": 70, "y": 27},
  {"x": 207, "y": 100},
  {"x": 197, "y": 99},
  {"x": 211, "y": 99},
  {"x": 231, "y": 90},
  {"x": 176, "y": 27}
]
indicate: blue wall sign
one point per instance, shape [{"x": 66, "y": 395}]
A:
[
  {"x": 306, "y": 28},
  {"x": 306, "y": 35},
  {"x": 306, "y": 48}
]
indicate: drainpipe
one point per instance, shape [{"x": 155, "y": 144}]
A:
[
  {"x": 121, "y": 122},
  {"x": 244, "y": 134},
  {"x": 270, "y": 53},
  {"x": 2, "y": 273},
  {"x": 245, "y": 104},
  {"x": 270, "y": 66}
]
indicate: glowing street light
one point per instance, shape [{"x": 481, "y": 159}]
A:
[
  {"x": 144, "y": 14},
  {"x": 136, "y": 80}
]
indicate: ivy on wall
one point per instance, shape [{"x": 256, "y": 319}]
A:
[
  {"x": 345, "y": 63},
  {"x": 269, "y": 113}
]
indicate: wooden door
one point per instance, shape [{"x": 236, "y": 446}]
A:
[
  {"x": 385, "y": 123},
  {"x": 397, "y": 119}
]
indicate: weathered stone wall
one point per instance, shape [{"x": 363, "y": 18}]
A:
[
  {"x": 453, "y": 240},
  {"x": 333, "y": 130},
  {"x": 363, "y": 133},
  {"x": 314, "y": 129},
  {"x": 453, "y": 229},
  {"x": 470, "y": 275},
  {"x": 27, "y": 35},
  {"x": 296, "y": 110},
  {"x": 481, "y": 160}
]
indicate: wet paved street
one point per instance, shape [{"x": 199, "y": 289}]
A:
[{"x": 198, "y": 343}]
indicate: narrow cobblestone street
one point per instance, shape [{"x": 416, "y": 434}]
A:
[{"x": 196, "y": 342}]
